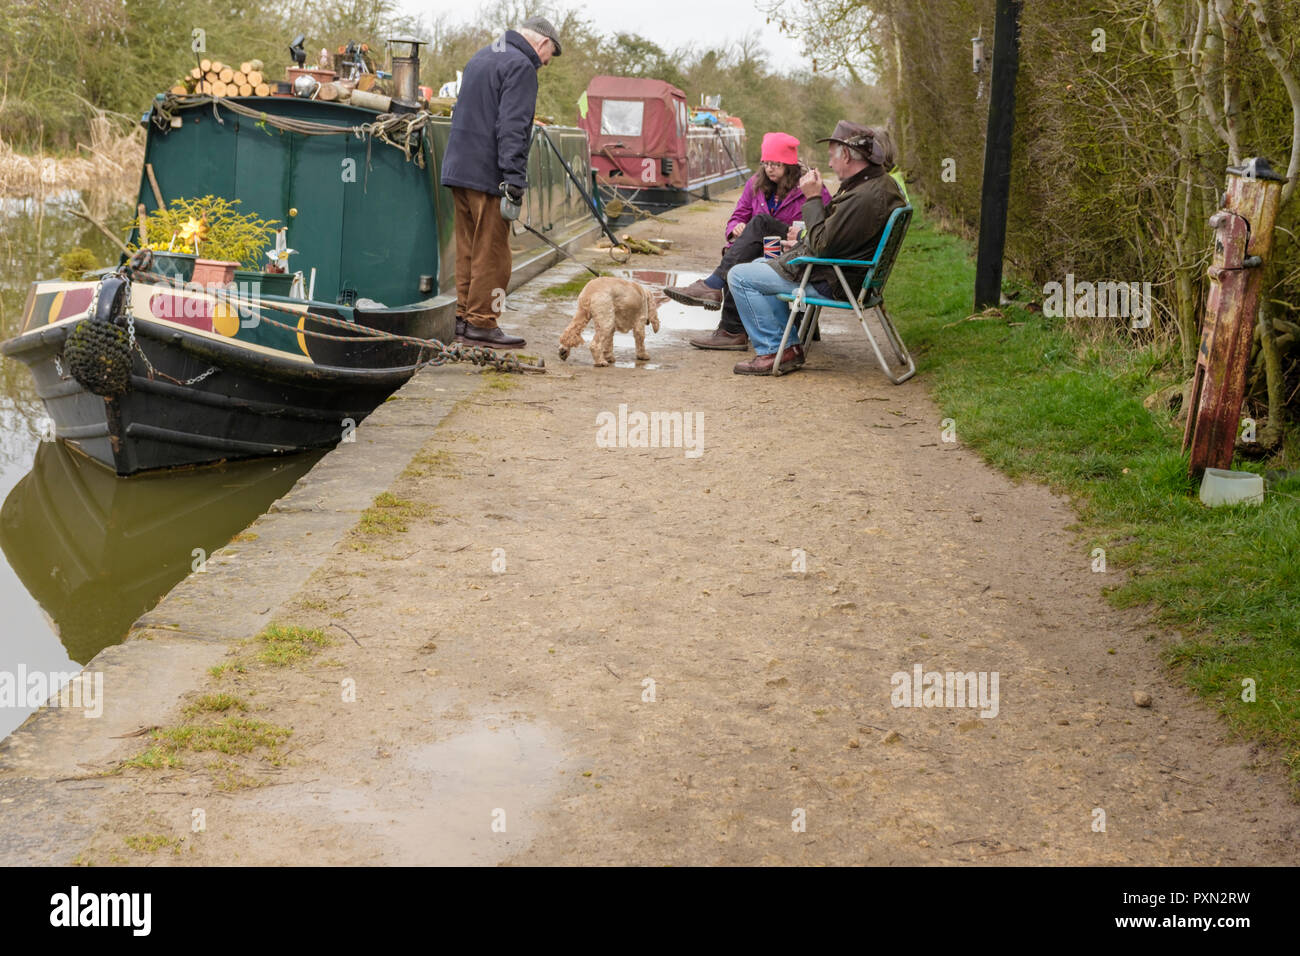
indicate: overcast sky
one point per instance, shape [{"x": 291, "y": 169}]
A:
[{"x": 669, "y": 23}]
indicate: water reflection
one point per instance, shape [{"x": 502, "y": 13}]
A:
[
  {"x": 34, "y": 233},
  {"x": 85, "y": 553},
  {"x": 672, "y": 315},
  {"x": 97, "y": 551}
]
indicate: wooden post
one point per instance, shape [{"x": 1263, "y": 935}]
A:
[
  {"x": 1243, "y": 242},
  {"x": 153, "y": 184},
  {"x": 997, "y": 155}
]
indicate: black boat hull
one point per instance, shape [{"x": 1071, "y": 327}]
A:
[{"x": 251, "y": 404}]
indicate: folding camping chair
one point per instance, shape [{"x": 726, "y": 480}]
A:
[{"x": 872, "y": 296}]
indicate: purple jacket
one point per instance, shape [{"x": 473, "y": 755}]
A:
[{"x": 752, "y": 204}]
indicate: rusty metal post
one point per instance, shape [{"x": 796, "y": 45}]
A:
[{"x": 1243, "y": 242}]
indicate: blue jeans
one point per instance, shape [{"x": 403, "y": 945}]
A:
[{"x": 754, "y": 287}]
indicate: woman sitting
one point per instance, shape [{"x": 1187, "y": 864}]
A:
[{"x": 769, "y": 206}]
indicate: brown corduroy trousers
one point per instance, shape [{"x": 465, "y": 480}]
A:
[{"x": 482, "y": 256}]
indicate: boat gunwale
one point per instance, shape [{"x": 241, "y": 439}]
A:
[{"x": 217, "y": 349}]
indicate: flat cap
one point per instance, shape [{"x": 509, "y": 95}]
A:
[{"x": 543, "y": 26}]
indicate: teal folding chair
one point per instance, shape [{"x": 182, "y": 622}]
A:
[{"x": 871, "y": 296}]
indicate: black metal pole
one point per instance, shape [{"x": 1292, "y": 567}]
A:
[{"x": 997, "y": 155}]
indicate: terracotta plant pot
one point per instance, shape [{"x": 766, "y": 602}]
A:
[{"x": 214, "y": 272}]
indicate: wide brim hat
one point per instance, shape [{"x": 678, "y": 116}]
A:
[{"x": 858, "y": 138}]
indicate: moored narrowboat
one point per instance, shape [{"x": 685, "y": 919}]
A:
[
  {"x": 650, "y": 152},
  {"x": 218, "y": 367}
]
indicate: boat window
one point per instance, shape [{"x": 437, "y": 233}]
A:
[
  {"x": 621, "y": 117},
  {"x": 681, "y": 119}
]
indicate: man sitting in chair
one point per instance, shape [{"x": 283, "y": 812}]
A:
[{"x": 848, "y": 228}]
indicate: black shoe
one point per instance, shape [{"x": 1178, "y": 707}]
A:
[
  {"x": 460, "y": 328},
  {"x": 492, "y": 338}
]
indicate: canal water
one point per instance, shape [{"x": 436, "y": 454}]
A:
[{"x": 84, "y": 553}]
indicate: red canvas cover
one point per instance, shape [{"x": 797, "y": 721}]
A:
[{"x": 613, "y": 114}]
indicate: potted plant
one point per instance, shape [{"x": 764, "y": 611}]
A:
[{"x": 206, "y": 241}]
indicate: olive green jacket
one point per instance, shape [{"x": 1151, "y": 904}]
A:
[{"x": 849, "y": 228}]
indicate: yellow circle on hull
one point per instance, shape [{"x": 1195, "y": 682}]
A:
[{"x": 225, "y": 320}]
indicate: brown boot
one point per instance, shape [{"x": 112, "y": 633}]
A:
[
  {"x": 791, "y": 359},
  {"x": 722, "y": 340},
  {"x": 697, "y": 293}
]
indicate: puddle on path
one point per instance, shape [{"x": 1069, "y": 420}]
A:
[
  {"x": 673, "y": 316},
  {"x": 435, "y": 804}
]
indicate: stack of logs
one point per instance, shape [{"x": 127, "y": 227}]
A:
[{"x": 222, "y": 79}]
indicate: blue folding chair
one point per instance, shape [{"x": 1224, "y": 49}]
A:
[{"x": 871, "y": 296}]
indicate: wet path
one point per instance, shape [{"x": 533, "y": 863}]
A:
[{"x": 585, "y": 653}]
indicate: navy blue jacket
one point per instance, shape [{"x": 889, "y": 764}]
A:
[{"x": 493, "y": 120}]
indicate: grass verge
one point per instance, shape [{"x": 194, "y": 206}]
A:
[
  {"x": 389, "y": 514},
  {"x": 570, "y": 288},
  {"x": 1045, "y": 402}
]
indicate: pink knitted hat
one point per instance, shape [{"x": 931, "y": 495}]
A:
[{"x": 780, "y": 148}]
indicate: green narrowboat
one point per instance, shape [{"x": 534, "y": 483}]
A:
[{"x": 253, "y": 368}]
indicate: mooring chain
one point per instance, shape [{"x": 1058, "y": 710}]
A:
[
  {"x": 443, "y": 354},
  {"x": 154, "y": 373}
]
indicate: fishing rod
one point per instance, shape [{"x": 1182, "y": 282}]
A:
[
  {"x": 582, "y": 191},
  {"x": 563, "y": 252},
  {"x": 723, "y": 140},
  {"x": 508, "y": 202},
  {"x": 591, "y": 205}
]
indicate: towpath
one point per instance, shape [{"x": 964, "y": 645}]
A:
[{"x": 586, "y": 654}]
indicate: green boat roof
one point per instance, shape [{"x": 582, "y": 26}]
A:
[{"x": 358, "y": 210}]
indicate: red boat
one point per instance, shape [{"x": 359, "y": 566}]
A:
[{"x": 649, "y": 150}]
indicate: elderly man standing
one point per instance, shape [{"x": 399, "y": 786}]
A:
[
  {"x": 848, "y": 228},
  {"x": 486, "y": 167}
]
